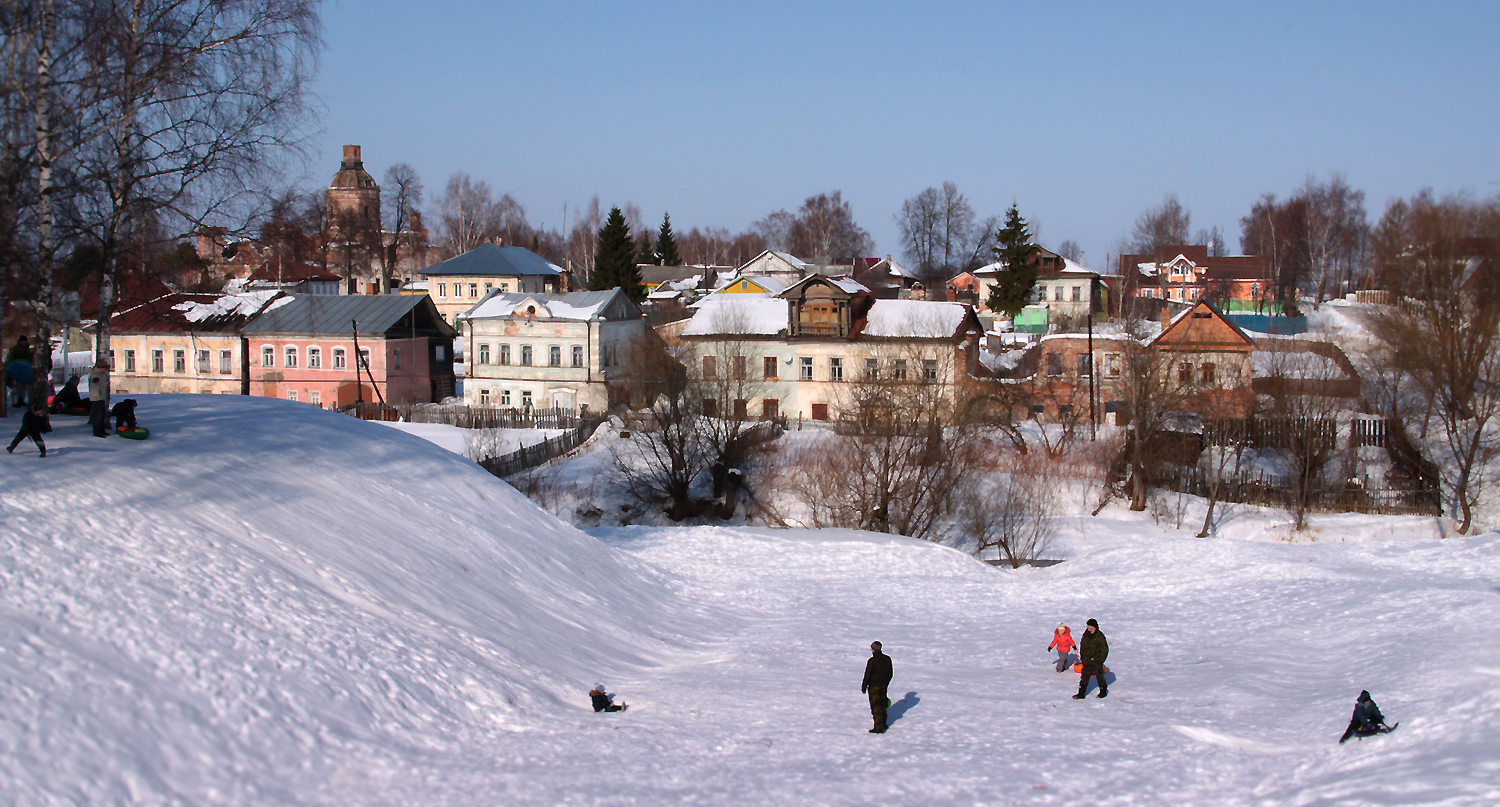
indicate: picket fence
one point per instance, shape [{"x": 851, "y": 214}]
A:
[
  {"x": 1270, "y": 490},
  {"x": 470, "y": 417},
  {"x": 529, "y": 457},
  {"x": 1280, "y": 432}
]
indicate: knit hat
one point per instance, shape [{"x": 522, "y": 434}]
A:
[
  {"x": 1094, "y": 623},
  {"x": 598, "y": 688},
  {"x": 874, "y": 645}
]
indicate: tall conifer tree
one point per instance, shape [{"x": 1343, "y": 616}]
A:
[
  {"x": 614, "y": 258},
  {"x": 1014, "y": 282},
  {"x": 666, "y": 244}
]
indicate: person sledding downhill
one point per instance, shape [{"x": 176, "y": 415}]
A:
[
  {"x": 1062, "y": 642},
  {"x": 1367, "y": 720},
  {"x": 1093, "y": 649},
  {"x": 605, "y": 702}
]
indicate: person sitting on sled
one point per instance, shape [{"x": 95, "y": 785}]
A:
[
  {"x": 1062, "y": 641},
  {"x": 603, "y": 701},
  {"x": 1367, "y": 718},
  {"x": 67, "y": 397}
]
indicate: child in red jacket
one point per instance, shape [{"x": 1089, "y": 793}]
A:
[{"x": 1062, "y": 640}]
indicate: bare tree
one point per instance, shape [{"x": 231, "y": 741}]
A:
[
  {"x": 1071, "y": 250},
  {"x": 1166, "y": 224},
  {"x": 1011, "y": 512},
  {"x": 468, "y": 214},
  {"x": 404, "y": 189},
  {"x": 776, "y": 230},
  {"x": 935, "y": 227},
  {"x": 825, "y": 231}
]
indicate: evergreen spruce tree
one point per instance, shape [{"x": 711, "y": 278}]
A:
[
  {"x": 1014, "y": 282},
  {"x": 614, "y": 258},
  {"x": 666, "y": 244},
  {"x": 645, "y": 253}
]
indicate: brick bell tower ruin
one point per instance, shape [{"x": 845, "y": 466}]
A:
[{"x": 352, "y": 202}]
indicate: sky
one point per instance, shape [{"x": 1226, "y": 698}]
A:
[{"x": 1082, "y": 114}]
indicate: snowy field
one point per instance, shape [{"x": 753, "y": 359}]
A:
[
  {"x": 457, "y": 440},
  {"x": 266, "y": 603}
]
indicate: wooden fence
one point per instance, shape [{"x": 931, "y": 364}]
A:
[
  {"x": 531, "y": 456},
  {"x": 1269, "y": 490},
  {"x": 470, "y": 417},
  {"x": 1279, "y": 432}
]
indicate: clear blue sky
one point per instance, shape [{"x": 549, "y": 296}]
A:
[{"x": 1083, "y": 113}]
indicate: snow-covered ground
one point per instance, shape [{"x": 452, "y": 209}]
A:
[
  {"x": 266, "y": 603},
  {"x": 457, "y": 440}
]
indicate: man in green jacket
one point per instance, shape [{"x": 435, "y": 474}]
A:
[{"x": 1092, "y": 650}]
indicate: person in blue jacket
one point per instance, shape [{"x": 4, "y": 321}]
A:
[{"x": 605, "y": 702}]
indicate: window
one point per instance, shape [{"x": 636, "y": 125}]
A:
[
  {"x": 484, "y": 354},
  {"x": 1038, "y": 409},
  {"x": 806, "y": 368},
  {"x": 929, "y": 369},
  {"x": 364, "y": 358},
  {"x": 484, "y": 397},
  {"x": 1085, "y": 365},
  {"x": 1065, "y": 411},
  {"x": 439, "y": 352},
  {"x": 315, "y": 398},
  {"x": 872, "y": 369},
  {"x": 741, "y": 409},
  {"x": 820, "y": 411},
  {"x": 525, "y": 355},
  {"x": 741, "y": 367},
  {"x": 899, "y": 372},
  {"x": 1112, "y": 364},
  {"x": 338, "y": 359},
  {"x": 504, "y": 287},
  {"x": 1057, "y": 293},
  {"x": 179, "y": 361},
  {"x": 291, "y": 395},
  {"x": 112, "y": 366},
  {"x": 554, "y": 355},
  {"x": 226, "y": 362},
  {"x": 1206, "y": 373},
  {"x": 1077, "y": 294},
  {"x": 578, "y": 355},
  {"x": 1255, "y": 291},
  {"x": 205, "y": 361},
  {"x": 488, "y": 287},
  {"x": 526, "y": 399},
  {"x": 1054, "y": 364},
  {"x": 710, "y": 408},
  {"x": 396, "y": 357},
  {"x": 1185, "y": 373},
  {"x": 710, "y": 368},
  {"x": 442, "y": 289},
  {"x": 835, "y": 369},
  {"x": 505, "y": 354},
  {"x": 505, "y": 397},
  {"x": 770, "y": 408},
  {"x": 314, "y": 358},
  {"x": 473, "y": 289},
  {"x": 130, "y": 361},
  {"x": 291, "y": 357},
  {"x": 768, "y": 365},
  {"x": 744, "y": 285}
]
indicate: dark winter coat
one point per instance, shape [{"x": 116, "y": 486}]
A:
[
  {"x": 1366, "y": 714},
  {"x": 1093, "y": 648},
  {"x": 68, "y": 395},
  {"x": 877, "y": 672},
  {"x": 601, "y": 701},
  {"x": 124, "y": 414},
  {"x": 32, "y": 423}
]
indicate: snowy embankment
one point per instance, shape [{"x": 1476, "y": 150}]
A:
[{"x": 267, "y": 603}]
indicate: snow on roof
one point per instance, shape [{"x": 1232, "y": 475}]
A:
[
  {"x": 847, "y": 284},
  {"x": 242, "y": 304},
  {"x": 791, "y": 259},
  {"x": 1287, "y": 364},
  {"x": 1070, "y": 266},
  {"x": 916, "y": 318},
  {"x": 579, "y": 306},
  {"x": 898, "y": 269},
  {"x": 770, "y": 284},
  {"x": 738, "y": 314}
]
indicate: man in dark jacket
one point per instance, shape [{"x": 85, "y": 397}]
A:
[
  {"x": 877, "y": 679},
  {"x": 33, "y": 424},
  {"x": 124, "y": 414},
  {"x": 1093, "y": 649},
  {"x": 1367, "y": 718}
]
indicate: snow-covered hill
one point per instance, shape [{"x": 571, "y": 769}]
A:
[{"x": 270, "y": 604}]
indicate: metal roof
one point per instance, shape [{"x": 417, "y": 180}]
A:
[
  {"x": 328, "y": 314},
  {"x": 493, "y": 259}
]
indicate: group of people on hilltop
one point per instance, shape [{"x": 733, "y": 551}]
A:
[{"x": 34, "y": 422}]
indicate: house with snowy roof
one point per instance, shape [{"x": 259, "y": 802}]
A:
[
  {"x": 806, "y": 350},
  {"x": 457, "y": 284},
  {"x": 549, "y": 351},
  {"x": 335, "y": 350},
  {"x": 784, "y": 266},
  {"x": 185, "y": 343},
  {"x": 1184, "y": 273},
  {"x": 888, "y": 279}
]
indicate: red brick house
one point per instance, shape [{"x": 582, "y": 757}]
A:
[{"x": 1186, "y": 273}]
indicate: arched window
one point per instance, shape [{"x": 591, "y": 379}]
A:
[
  {"x": 484, "y": 354},
  {"x": 505, "y": 354},
  {"x": 554, "y": 356},
  {"x": 291, "y": 356},
  {"x": 339, "y": 362},
  {"x": 526, "y": 355},
  {"x": 314, "y": 358},
  {"x": 267, "y": 357}
]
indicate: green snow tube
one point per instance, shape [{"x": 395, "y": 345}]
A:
[{"x": 134, "y": 434}]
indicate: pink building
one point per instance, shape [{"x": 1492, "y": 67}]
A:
[{"x": 305, "y": 349}]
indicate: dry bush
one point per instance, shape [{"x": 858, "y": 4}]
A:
[{"x": 1011, "y": 511}]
